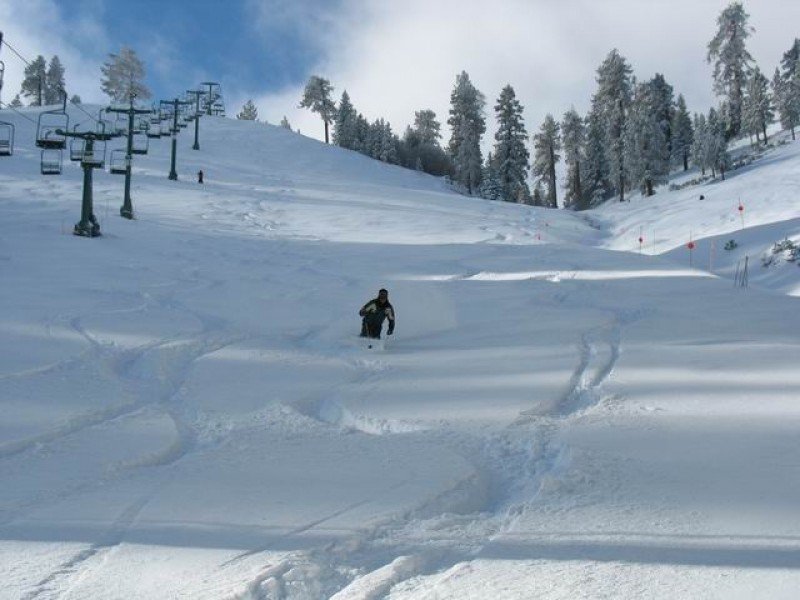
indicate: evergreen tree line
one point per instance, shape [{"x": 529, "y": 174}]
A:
[{"x": 634, "y": 134}]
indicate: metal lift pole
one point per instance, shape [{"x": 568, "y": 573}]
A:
[
  {"x": 196, "y": 94},
  {"x": 126, "y": 210}
]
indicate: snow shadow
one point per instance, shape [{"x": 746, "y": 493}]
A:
[{"x": 678, "y": 551}]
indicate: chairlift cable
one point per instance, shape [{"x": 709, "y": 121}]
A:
[
  {"x": 3, "y": 104},
  {"x": 10, "y": 47},
  {"x": 22, "y": 58}
]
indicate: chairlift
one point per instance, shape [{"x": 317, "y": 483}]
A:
[
  {"x": 6, "y": 138},
  {"x": 141, "y": 143},
  {"x": 104, "y": 122},
  {"x": 47, "y": 127},
  {"x": 96, "y": 157},
  {"x": 76, "y": 146},
  {"x": 121, "y": 124},
  {"x": 119, "y": 162},
  {"x": 51, "y": 161}
]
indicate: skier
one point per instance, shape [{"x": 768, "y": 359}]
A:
[
  {"x": 373, "y": 313},
  {"x": 200, "y": 176}
]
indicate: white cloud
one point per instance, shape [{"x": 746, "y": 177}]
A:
[
  {"x": 36, "y": 27},
  {"x": 397, "y": 57}
]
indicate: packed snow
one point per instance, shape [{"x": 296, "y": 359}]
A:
[{"x": 188, "y": 411}]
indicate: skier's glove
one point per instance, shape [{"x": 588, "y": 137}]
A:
[{"x": 390, "y": 332}]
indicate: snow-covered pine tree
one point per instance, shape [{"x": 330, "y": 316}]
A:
[
  {"x": 757, "y": 110},
  {"x": 682, "y": 134},
  {"x": 317, "y": 97},
  {"x": 285, "y": 123},
  {"x": 699, "y": 153},
  {"x": 664, "y": 106},
  {"x": 546, "y": 145},
  {"x": 595, "y": 176},
  {"x": 16, "y": 102},
  {"x": 345, "y": 131},
  {"x": 388, "y": 144},
  {"x": 716, "y": 145},
  {"x": 538, "y": 197},
  {"x": 249, "y": 112},
  {"x": 363, "y": 128},
  {"x": 613, "y": 98},
  {"x": 490, "y": 187},
  {"x": 732, "y": 62},
  {"x": 54, "y": 82},
  {"x": 123, "y": 76},
  {"x": 427, "y": 127},
  {"x": 468, "y": 125},
  {"x": 790, "y": 60},
  {"x": 573, "y": 134},
  {"x": 511, "y": 157},
  {"x": 786, "y": 94},
  {"x": 35, "y": 81},
  {"x": 646, "y": 152},
  {"x": 75, "y": 99}
]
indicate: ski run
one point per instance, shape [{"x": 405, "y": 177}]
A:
[{"x": 563, "y": 411}]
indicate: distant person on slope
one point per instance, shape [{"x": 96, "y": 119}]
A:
[{"x": 374, "y": 313}]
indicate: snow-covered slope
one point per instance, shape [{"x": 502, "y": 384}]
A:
[{"x": 187, "y": 411}]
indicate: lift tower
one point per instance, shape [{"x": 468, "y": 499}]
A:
[{"x": 127, "y": 207}]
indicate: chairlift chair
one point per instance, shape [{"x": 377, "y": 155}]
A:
[
  {"x": 119, "y": 162},
  {"x": 6, "y": 138},
  {"x": 51, "y": 161},
  {"x": 141, "y": 143},
  {"x": 121, "y": 124},
  {"x": 97, "y": 157},
  {"x": 76, "y": 146},
  {"x": 47, "y": 127}
]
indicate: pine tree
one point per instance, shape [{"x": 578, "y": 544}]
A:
[
  {"x": 511, "y": 157},
  {"x": 468, "y": 125},
  {"x": 490, "y": 187},
  {"x": 249, "y": 112},
  {"x": 573, "y": 133},
  {"x": 699, "y": 152},
  {"x": 285, "y": 123},
  {"x": 646, "y": 152},
  {"x": 664, "y": 106},
  {"x": 732, "y": 62},
  {"x": 787, "y": 99},
  {"x": 716, "y": 144},
  {"x": 757, "y": 109},
  {"x": 427, "y": 127},
  {"x": 123, "y": 76},
  {"x": 16, "y": 102},
  {"x": 388, "y": 144},
  {"x": 682, "y": 134},
  {"x": 613, "y": 98},
  {"x": 345, "y": 132},
  {"x": 54, "y": 82},
  {"x": 546, "y": 145},
  {"x": 35, "y": 81},
  {"x": 789, "y": 61},
  {"x": 75, "y": 99},
  {"x": 538, "y": 196},
  {"x": 317, "y": 97},
  {"x": 595, "y": 180}
]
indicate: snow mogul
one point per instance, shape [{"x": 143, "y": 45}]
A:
[{"x": 374, "y": 313}]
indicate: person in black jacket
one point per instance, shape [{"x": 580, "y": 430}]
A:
[{"x": 374, "y": 312}]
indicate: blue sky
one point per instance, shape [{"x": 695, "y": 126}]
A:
[{"x": 213, "y": 38}]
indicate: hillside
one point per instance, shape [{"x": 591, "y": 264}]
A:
[{"x": 188, "y": 411}]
